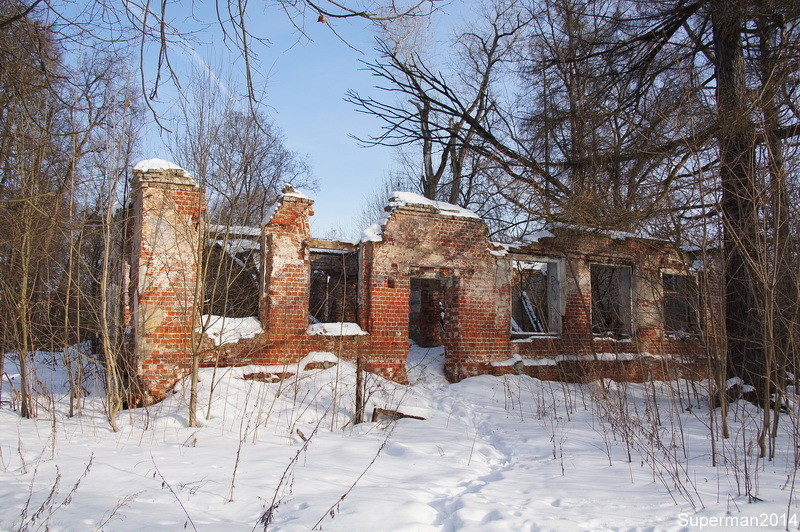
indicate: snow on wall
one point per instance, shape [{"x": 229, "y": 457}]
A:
[
  {"x": 615, "y": 235},
  {"x": 536, "y": 236},
  {"x": 397, "y": 199},
  {"x": 240, "y": 230},
  {"x": 373, "y": 233},
  {"x": 295, "y": 193},
  {"x": 552, "y": 361},
  {"x": 400, "y": 199},
  {"x": 335, "y": 329},
  {"x": 155, "y": 164},
  {"x": 223, "y": 330}
]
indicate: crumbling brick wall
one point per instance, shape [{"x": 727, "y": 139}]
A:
[
  {"x": 417, "y": 242},
  {"x": 647, "y": 259},
  {"x": 445, "y": 254},
  {"x": 420, "y": 242},
  {"x": 285, "y": 293}
]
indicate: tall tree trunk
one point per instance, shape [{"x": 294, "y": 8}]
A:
[
  {"x": 114, "y": 389},
  {"x": 739, "y": 206},
  {"x": 24, "y": 319},
  {"x": 783, "y": 254}
]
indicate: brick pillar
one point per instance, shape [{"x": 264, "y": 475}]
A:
[
  {"x": 577, "y": 326},
  {"x": 167, "y": 211},
  {"x": 388, "y": 321},
  {"x": 284, "y": 298},
  {"x": 648, "y": 305}
]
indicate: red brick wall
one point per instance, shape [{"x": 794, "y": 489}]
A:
[
  {"x": 420, "y": 243},
  {"x": 646, "y": 258},
  {"x": 417, "y": 242},
  {"x": 284, "y": 305}
]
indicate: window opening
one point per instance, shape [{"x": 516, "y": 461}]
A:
[
  {"x": 230, "y": 276},
  {"x": 535, "y": 298},
  {"x": 680, "y": 304},
  {"x": 333, "y": 290},
  {"x": 611, "y": 300}
]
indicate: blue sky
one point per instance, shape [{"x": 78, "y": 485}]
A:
[
  {"x": 306, "y": 93},
  {"x": 306, "y": 81}
]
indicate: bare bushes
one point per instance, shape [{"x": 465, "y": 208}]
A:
[{"x": 670, "y": 430}]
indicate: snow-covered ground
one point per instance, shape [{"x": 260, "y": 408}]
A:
[{"x": 510, "y": 453}]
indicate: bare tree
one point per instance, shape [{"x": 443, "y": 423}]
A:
[
  {"x": 153, "y": 33},
  {"x": 638, "y": 113},
  {"x": 242, "y": 163},
  {"x": 451, "y": 165},
  {"x": 58, "y": 121},
  {"x": 32, "y": 189}
]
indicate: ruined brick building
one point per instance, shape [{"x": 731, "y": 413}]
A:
[{"x": 573, "y": 303}]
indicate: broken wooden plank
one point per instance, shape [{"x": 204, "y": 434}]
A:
[
  {"x": 265, "y": 376},
  {"x": 332, "y": 245},
  {"x": 392, "y": 415}
]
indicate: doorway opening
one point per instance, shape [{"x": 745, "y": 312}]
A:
[{"x": 427, "y": 312}]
